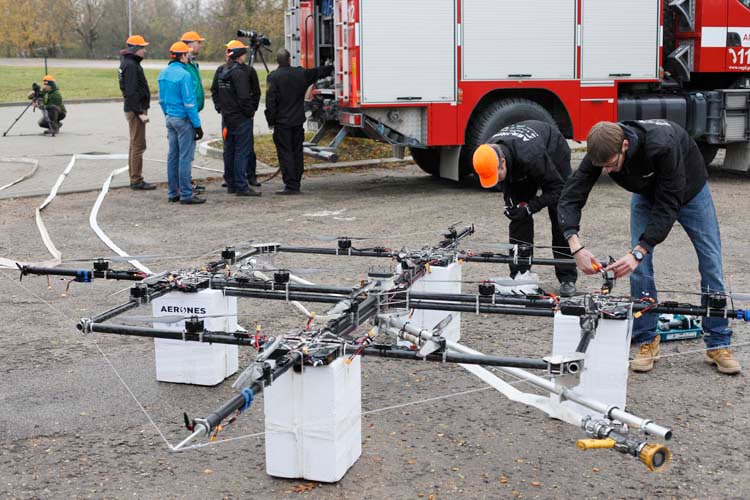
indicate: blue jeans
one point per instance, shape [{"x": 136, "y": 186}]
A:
[
  {"x": 181, "y": 137},
  {"x": 698, "y": 218},
  {"x": 236, "y": 156}
]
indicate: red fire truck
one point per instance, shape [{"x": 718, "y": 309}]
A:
[{"x": 441, "y": 76}]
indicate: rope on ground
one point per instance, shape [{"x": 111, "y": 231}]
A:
[{"x": 96, "y": 344}]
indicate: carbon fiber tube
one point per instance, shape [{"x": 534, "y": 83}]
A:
[
  {"x": 484, "y": 299},
  {"x": 160, "y": 333},
  {"x": 282, "y": 295},
  {"x": 238, "y": 401},
  {"x": 482, "y": 308},
  {"x": 75, "y": 273},
  {"x": 270, "y": 285},
  {"x": 453, "y": 357}
]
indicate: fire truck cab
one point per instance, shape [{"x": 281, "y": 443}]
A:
[{"x": 439, "y": 77}]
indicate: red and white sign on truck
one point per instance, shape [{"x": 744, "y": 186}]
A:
[{"x": 441, "y": 76}]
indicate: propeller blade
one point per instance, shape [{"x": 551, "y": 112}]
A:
[
  {"x": 115, "y": 258},
  {"x": 336, "y": 238},
  {"x": 500, "y": 246}
]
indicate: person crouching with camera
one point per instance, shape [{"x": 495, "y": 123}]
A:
[{"x": 50, "y": 100}]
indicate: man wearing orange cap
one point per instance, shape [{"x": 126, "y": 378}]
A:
[
  {"x": 53, "y": 104},
  {"x": 524, "y": 158},
  {"x": 195, "y": 42},
  {"x": 137, "y": 96},
  {"x": 236, "y": 94},
  {"x": 177, "y": 100}
]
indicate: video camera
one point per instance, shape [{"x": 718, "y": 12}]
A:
[
  {"x": 257, "y": 40},
  {"x": 37, "y": 91}
]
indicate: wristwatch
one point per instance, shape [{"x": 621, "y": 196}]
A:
[{"x": 637, "y": 254}]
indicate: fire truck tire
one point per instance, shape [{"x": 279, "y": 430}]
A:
[
  {"x": 496, "y": 116},
  {"x": 428, "y": 159},
  {"x": 708, "y": 151}
]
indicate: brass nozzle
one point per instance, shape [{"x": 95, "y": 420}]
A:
[
  {"x": 655, "y": 456},
  {"x": 595, "y": 444}
]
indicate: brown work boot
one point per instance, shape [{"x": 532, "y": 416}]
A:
[
  {"x": 724, "y": 361},
  {"x": 647, "y": 354}
]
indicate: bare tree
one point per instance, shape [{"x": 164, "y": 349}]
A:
[{"x": 88, "y": 16}]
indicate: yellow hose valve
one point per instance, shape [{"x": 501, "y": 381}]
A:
[
  {"x": 595, "y": 444},
  {"x": 655, "y": 456}
]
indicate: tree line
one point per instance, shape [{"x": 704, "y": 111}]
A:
[{"x": 97, "y": 29}]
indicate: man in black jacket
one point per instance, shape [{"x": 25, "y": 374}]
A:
[
  {"x": 661, "y": 165},
  {"x": 235, "y": 92},
  {"x": 285, "y": 112},
  {"x": 134, "y": 87},
  {"x": 523, "y": 158}
]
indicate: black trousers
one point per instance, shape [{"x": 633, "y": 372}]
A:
[
  {"x": 522, "y": 232},
  {"x": 54, "y": 114},
  {"x": 288, "y": 141}
]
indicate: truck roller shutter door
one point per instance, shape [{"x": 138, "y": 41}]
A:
[
  {"x": 619, "y": 40},
  {"x": 408, "y": 51},
  {"x": 518, "y": 40}
]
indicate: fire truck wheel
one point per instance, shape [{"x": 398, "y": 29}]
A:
[
  {"x": 428, "y": 159},
  {"x": 708, "y": 151},
  {"x": 489, "y": 121}
]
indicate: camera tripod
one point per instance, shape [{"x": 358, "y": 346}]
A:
[
  {"x": 40, "y": 105},
  {"x": 257, "y": 51}
]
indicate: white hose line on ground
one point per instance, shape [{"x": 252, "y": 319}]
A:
[
  {"x": 98, "y": 230},
  {"x": 51, "y": 248},
  {"x": 34, "y": 166}
]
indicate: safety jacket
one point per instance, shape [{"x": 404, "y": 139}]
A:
[{"x": 177, "y": 93}]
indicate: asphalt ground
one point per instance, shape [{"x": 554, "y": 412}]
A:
[
  {"x": 79, "y": 414},
  {"x": 94, "y": 128}
]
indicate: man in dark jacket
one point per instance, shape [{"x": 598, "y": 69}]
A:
[
  {"x": 236, "y": 94},
  {"x": 137, "y": 97},
  {"x": 285, "y": 112},
  {"x": 661, "y": 165},
  {"x": 524, "y": 158}
]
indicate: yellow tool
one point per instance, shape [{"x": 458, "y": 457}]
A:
[{"x": 595, "y": 444}]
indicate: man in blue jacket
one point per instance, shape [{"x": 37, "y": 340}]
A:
[{"x": 177, "y": 100}]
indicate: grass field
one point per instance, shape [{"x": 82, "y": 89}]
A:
[
  {"x": 351, "y": 149},
  {"x": 82, "y": 83}
]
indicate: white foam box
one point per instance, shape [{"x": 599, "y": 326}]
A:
[
  {"x": 605, "y": 369},
  {"x": 195, "y": 363},
  {"x": 314, "y": 422},
  {"x": 440, "y": 280}
]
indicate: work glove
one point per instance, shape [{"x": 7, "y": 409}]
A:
[
  {"x": 198, "y": 133},
  {"x": 518, "y": 213}
]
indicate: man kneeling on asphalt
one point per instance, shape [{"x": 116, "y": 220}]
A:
[
  {"x": 177, "y": 100},
  {"x": 661, "y": 165},
  {"x": 523, "y": 158},
  {"x": 53, "y": 104},
  {"x": 236, "y": 94}
]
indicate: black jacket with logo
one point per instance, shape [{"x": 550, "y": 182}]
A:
[
  {"x": 662, "y": 163},
  {"x": 535, "y": 153},
  {"x": 235, "y": 92},
  {"x": 133, "y": 83},
  {"x": 285, "y": 96}
]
